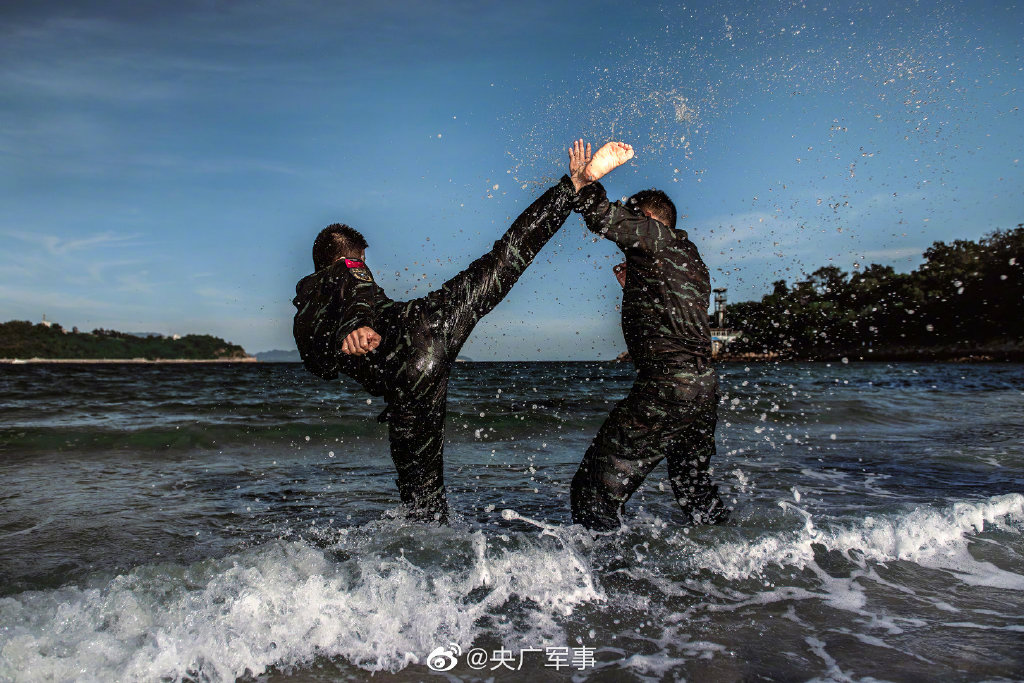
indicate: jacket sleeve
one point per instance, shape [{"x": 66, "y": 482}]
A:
[
  {"x": 612, "y": 220},
  {"x": 356, "y": 307}
]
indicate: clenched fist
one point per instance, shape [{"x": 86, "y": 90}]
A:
[{"x": 360, "y": 342}]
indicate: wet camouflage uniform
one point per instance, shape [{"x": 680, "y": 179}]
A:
[
  {"x": 420, "y": 339},
  {"x": 671, "y": 411}
]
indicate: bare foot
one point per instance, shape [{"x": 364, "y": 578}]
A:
[
  {"x": 579, "y": 157},
  {"x": 607, "y": 159}
]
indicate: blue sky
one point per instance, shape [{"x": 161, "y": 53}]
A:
[{"x": 165, "y": 166}]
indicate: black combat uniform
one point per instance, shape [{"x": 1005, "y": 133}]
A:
[
  {"x": 420, "y": 339},
  {"x": 671, "y": 410}
]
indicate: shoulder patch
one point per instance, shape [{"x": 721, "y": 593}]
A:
[
  {"x": 359, "y": 270},
  {"x": 361, "y": 274}
]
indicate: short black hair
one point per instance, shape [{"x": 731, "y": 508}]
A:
[
  {"x": 334, "y": 242},
  {"x": 657, "y": 203}
]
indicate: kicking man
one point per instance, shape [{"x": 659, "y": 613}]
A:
[
  {"x": 403, "y": 350},
  {"x": 671, "y": 411}
]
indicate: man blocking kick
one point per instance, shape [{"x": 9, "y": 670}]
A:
[
  {"x": 403, "y": 350},
  {"x": 671, "y": 411}
]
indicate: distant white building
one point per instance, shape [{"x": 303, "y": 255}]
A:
[
  {"x": 47, "y": 323},
  {"x": 721, "y": 338}
]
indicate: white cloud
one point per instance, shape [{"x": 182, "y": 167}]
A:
[
  {"x": 33, "y": 301},
  {"x": 96, "y": 270},
  {"x": 136, "y": 282},
  {"x": 61, "y": 246}
]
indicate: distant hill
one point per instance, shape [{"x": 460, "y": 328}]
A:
[
  {"x": 278, "y": 356},
  {"x": 22, "y": 339}
]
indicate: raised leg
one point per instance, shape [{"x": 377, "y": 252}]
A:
[
  {"x": 417, "y": 396},
  {"x": 610, "y": 156},
  {"x": 460, "y": 302}
]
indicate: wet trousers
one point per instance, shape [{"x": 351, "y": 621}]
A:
[
  {"x": 669, "y": 418},
  {"x": 435, "y": 327}
]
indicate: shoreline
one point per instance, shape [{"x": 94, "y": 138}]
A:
[{"x": 114, "y": 361}]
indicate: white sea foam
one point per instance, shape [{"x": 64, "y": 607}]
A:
[
  {"x": 384, "y": 595},
  {"x": 936, "y": 538},
  {"x": 283, "y": 604}
]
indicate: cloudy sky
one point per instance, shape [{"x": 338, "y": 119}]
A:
[{"x": 165, "y": 166}]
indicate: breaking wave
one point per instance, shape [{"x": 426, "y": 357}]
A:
[{"x": 384, "y": 595}]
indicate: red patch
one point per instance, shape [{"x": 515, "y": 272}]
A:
[{"x": 349, "y": 263}]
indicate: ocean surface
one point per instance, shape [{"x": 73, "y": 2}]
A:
[{"x": 214, "y": 522}]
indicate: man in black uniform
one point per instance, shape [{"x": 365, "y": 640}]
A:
[
  {"x": 403, "y": 350},
  {"x": 671, "y": 411}
]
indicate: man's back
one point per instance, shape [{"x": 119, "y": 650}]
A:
[
  {"x": 330, "y": 304},
  {"x": 664, "y": 302}
]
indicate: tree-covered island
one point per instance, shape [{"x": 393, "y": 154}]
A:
[
  {"x": 965, "y": 301},
  {"x": 24, "y": 340}
]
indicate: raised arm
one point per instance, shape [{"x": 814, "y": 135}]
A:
[{"x": 612, "y": 220}]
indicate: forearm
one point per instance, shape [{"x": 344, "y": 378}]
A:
[
  {"x": 592, "y": 203},
  {"x": 358, "y": 309},
  {"x": 356, "y": 331},
  {"x": 604, "y": 218},
  {"x": 615, "y": 222},
  {"x": 349, "y": 325}
]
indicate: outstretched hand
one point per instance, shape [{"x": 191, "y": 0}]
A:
[
  {"x": 579, "y": 157},
  {"x": 360, "y": 342}
]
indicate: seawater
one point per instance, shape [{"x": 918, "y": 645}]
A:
[{"x": 210, "y": 523}]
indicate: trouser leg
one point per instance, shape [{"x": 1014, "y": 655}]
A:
[
  {"x": 640, "y": 432},
  {"x": 463, "y": 300},
  {"x": 688, "y": 462},
  {"x": 416, "y": 431},
  {"x": 621, "y": 456}
]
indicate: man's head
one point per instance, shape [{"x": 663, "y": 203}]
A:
[
  {"x": 654, "y": 204},
  {"x": 337, "y": 241}
]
